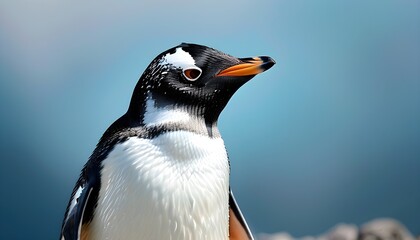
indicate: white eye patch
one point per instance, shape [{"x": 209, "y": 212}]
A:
[
  {"x": 179, "y": 59},
  {"x": 183, "y": 60}
]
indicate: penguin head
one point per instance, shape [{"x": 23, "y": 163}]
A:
[{"x": 197, "y": 78}]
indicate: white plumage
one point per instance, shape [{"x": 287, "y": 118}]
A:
[
  {"x": 163, "y": 187},
  {"x": 160, "y": 116}
]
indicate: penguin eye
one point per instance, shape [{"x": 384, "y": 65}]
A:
[{"x": 192, "y": 74}]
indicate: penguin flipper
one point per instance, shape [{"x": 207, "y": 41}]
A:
[
  {"x": 238, "y": 228},
  {"x": 72, "y": 225}
]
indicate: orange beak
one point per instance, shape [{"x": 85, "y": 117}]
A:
[{"x": 248, "y": 66}]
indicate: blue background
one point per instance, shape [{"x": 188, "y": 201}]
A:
[{"x": 330, "y": 134}]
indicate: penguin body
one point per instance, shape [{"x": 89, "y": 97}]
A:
[
  {"x": 161, "y": 171},
  {"x": 171, "y": 193}
]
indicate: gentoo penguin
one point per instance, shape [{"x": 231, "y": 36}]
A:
[{"x": 161, "y": 171}]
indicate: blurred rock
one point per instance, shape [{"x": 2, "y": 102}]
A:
[
  {"x": 378, "y": 229},
  {"x": 384, "y": 229},
  {"x": 275, "y": 236},
  {"x": 341, "y": 232}
]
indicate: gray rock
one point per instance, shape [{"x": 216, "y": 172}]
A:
[
  {"x": 275, "y": 236},
  {"x": 378, "y": 229},
  {"x": 341, "y": 232},
  {"x": 384, "y": 229}
]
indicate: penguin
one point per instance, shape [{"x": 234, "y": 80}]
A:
[{"x": 161, "y": 171}]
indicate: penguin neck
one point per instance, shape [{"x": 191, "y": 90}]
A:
[{"x": 160, "y": 112}]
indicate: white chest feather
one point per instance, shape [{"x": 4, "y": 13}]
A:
[{"x": 175, "y": 186}]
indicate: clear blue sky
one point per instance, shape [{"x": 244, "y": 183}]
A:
[{"x": 330, "y": 134}]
